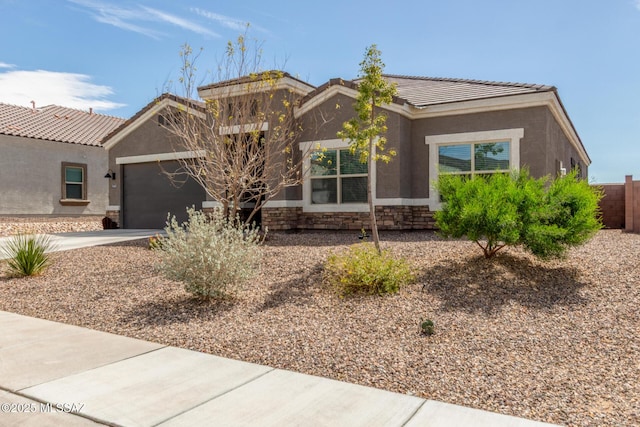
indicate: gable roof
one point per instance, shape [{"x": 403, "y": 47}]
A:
[
  {"x": 55, "y": 123},
  {"x": 238, "y": 86},
  {"x": 166, "y": 99}
]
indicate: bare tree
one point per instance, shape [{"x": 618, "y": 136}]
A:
[{"x": 241, "y": 139}]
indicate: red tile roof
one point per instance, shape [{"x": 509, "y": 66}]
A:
[{"x": 55, "y": 123}]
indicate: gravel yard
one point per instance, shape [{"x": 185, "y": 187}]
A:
[
  {"x": 29, "y": 225},
  {"x": 555, "y": 342}
]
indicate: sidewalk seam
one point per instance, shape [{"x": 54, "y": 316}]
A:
[
  {"x": 216, "y": 396},
  {"x": 413, "y": 414},
  {"x": 19, "y": 391},
  {"x": 77, "y": 414}
]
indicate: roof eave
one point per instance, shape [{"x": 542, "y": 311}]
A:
[{"x": 242, "y": 86}]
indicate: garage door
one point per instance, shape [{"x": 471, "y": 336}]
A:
[{"x": 149, "y": 195}]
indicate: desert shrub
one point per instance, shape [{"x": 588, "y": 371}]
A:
[
  {"x": 361, "y": 269},
  {"x": 155, "y": 242},
  {"x": 569, "y": 217},
  {"x": 27, "y": 254},
  {"x": 427, "y": 327},
  {"x": 212, "y": 255},
  {"x": 515, "y": 209}
]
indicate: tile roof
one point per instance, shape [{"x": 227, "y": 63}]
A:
[
  {"x": 425, "y": 91},
  {"x": 55, "y": 123},
  {"x": 273, "y": 74}
]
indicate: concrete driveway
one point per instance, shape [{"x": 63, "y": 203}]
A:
[{"x": 67, "y": 241}]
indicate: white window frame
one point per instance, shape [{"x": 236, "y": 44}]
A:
[
  {"x": 307, "y": 205},
  {"x": 512, "y": 136}
]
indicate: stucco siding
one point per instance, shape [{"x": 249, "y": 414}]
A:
[
  {"x": 148, "y": 138},
  {"x": 392, "y": 179},
  {"x": 543, "y": 145},
  {"x": 31, "y": 172}
]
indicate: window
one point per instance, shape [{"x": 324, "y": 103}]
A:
[
  {"x": 74, "y": 181},
  {"x": 337, "y": 176},
  {"x": 475, "y": 158},
  {"x": 472, "y": 153}
]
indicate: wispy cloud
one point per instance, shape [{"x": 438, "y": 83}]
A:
[
  {"x": 637, "y": 3},
  {"x": 50, "y": 87},
  {"x": 225, "y": 21},
  {"x": 5, "y": 65},
  {"x": 180, "y": 22},
  {"x": 139, "y": 18}
]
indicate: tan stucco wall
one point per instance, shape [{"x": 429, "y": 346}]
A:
[{"x": 31, "y": 173}]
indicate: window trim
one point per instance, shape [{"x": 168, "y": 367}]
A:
[
  {"x": 339, "y": 177},
  {"x": 64, "y": 200},
  {"x": 473, "y": 170},
  {"x": 512, "y": 136},
  {"x": 307, "y": 206}
]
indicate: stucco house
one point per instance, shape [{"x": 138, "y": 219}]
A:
[
  {"x": 52, "y": 162},
  {"x": 435, "y": 125}
]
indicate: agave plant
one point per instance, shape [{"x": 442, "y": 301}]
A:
[{"x": 28, "y": 254}]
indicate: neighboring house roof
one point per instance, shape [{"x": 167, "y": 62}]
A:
[
  {"x": 424, "y": 91},
  {"x": 55, "y": 123}
]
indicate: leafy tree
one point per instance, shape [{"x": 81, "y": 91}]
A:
[
  {"x": 366, "y": 130},
  {"x": 502, "y": 210}
]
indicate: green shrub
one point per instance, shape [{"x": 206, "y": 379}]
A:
[
  {"x": 361, "y": 269},
  {"x": 427, "y": 327},
  {"x": 515, "y": 209},
  {"x": 27, "y": 254},
  {"x": 213, "y": 256}
]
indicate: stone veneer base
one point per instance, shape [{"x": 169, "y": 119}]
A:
[{"x": 388, "y": 218}]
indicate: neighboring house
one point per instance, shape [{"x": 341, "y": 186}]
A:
[
  {"x": 435, "y": 125},
  {"x": 52, "y": 162}
]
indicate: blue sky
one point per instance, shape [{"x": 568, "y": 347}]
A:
[{"x": 116, "y": 56}]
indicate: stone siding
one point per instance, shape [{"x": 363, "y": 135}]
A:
[{"x": 388, "y": 218}]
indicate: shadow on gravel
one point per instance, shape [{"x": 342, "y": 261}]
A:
[
  {"x": 480, "y": 285},
  {"x": 296, "y": 291},
  {"x": 169, "y": 312},
  {"x": 321, "y": 238}
]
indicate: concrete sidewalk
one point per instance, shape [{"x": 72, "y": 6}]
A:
[
  {"x": 81, "y": 239},
  {"x": 55, "y": 374}
]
